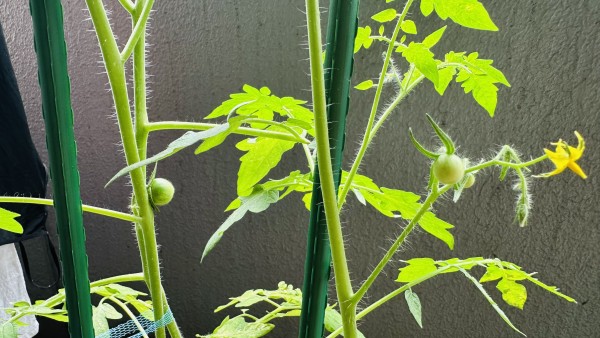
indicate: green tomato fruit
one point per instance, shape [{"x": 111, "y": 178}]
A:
[
  {"x": 470, "y": 181},
  {"x": 161, "y": 191},
  {"x": 449, "y": 169}
]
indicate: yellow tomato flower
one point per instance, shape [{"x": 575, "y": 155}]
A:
[{"x": 565, "y": 157}]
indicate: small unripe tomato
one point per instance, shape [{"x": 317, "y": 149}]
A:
[
  {"x": 161, "y": 191},
  {"x": 470, "y": 181},
  {"x": 449, "y": 169}
]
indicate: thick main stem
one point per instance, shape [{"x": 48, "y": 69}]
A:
[
  {"x": 338, "y": 252},
  {"x": 117, "y": 80}
]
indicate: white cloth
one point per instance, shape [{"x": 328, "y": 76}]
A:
[{"x": 12, "y": 288}]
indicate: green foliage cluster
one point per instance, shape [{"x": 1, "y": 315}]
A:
[{"x": 272, "y": 127}]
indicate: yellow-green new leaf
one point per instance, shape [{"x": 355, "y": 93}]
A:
[
  {"x": 363, "y": 38},
  {"x": 426, "y": 7},
  {"x": 365, "y": 85},
  {"x": 408, "y": 27},
  {"x": 513, "y": 293},
  {"x": 423, "y": 59},
  {"x": 416, "y": 268},
  {"x": 435, "y": 37},
  {"x": 385, "y": 15},
  {"x": 262, "y": 155},
  {"x": 8, "y": 222},
  {"x": 467, "y": 13}
]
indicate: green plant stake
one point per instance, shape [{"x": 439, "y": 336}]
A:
[
  {"x": 58, "y": 115},
  {"x": 339, "y": 58}
]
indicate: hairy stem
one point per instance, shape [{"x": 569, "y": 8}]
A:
[
  {"x": 334, "y": 227},
  {"x": 87, "y": 208},
  {"x": 433, "y": 196},
  {"x": 505, "y": 164},
  {"x": 143, "y": 209},
  {"x": 369, "y": 129}
]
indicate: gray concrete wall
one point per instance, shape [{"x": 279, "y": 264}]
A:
[{"x": 203, "y": 50}]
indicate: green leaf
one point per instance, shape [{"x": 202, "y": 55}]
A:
[
  {"x": 492, "y": 273},
  {"x": 142, "y": 307},
  {"x": 513, "y": 293},
  {"x": 257, "y": 202},
  {"x": 479, "y": 78},
  {"x": 408, "y": 27},
  {"x": 363, "y": 38},
  {"x": 8, "y": 222},
  {"x": 467, "y": 13},
  {"x": 211, "y": 142},
  {"x": 551, "y": 289},
  {"x": 385, "y": 15},
  {"x": 110, "y": 312},
  {"x": 392, "y": 202},
  {"x": 99, "y": 321},
  {"x": 435, "y": 37},
  {"x": 446, "y": 75},
  {"x": 420, "y": 55},
  {"x": 8, "y": 330},
  {"x": 437, "y": 228},
  {"x": 365, "y": 85},
  {"x": 426, "y": 7},
  {"x": 262, "y": 155},
  {"x": 188, "y": 139},
  {"x": 416, "y": 268},
  {"x": 237, "y": 327},
  {"x": 414, "y": 305}
]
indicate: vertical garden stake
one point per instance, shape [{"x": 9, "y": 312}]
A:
[
  {"x": 60, "y": 139},
  {"x": 339, "y": 57}
]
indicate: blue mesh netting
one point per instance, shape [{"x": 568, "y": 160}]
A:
[{"x": 129, "y": 329}]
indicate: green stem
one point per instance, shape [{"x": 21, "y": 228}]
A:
[
  {"x": 139, "y": 83},
  {"x": 130, "y": 314},
  {"x": 118, "y": 83},
  {"x": 87, "y": 208},
  {"x": 275, "y": 123},
  {"x": 431, "y": 198},
  {"x": 128, "y": 5},
  {"x": 177, "y": 125},
  {"x": 334, "y": 227},
  {"x": 369, "y": 129},
  {"x": 391, "y": 108},
  {"x": 505, "y": 164},
  {"x": 138, "y": 30}
]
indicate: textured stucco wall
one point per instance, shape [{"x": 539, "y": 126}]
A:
[{"x": 203, "y": 50}]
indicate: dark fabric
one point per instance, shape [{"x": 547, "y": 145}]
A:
[{"x": 21, "y": 170}]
